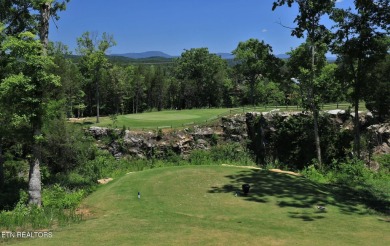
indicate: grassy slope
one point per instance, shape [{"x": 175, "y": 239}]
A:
[{"x": 196, "y": 205}]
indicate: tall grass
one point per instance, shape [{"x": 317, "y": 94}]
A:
[{"x": 24, "y": 217}]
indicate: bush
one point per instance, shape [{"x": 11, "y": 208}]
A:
[
  {"x": 221, "y": 154},
  {"x": 350, "y": 173},
  {"x": 200, "y": 157},
  {"x": 58, "y": 197},
  {"x": 384, "y": 162},
  {"x": 231, "y": 153},
  {"x": 313, "y": 174},
  {"x": 65, "y": 146},
  {"x": 32, "y": 217}
]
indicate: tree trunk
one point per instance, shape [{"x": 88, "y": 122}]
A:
[
  {"x": 136, "y": 102},
  {"x": 317, "y": 137},
  {"x": 34, "y": 179},
  {"x": 44, "y": 26},
  {"x": 97, "y": 102},
  {"x": 314, "y": 108},
  {"x": 356, "y": 145},
  {"x": 252, "y": 86},
  {"x": 133, "y": 104}
]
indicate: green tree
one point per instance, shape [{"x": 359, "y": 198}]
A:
[
  {"x": 308, "y": 22},
  {"x": 156, "y": 83},
  {"x": 255, "y": 62},
  {"x": 118, "y": 90},
  {"x": 139, "y": 88},
  {"x": 271, "y": 93},
  {"x": 173, "y": 95},
  {"x": 378, "y": 93},
  {"x": 359, "y": 44},
  {"x": 71, "y": 90},
  {"x": 17, "y": 17},
  {"x": 25, "y": 88},
  {"x": 26, "y": 69},
  {"x": 201, "y": 76},
  {"x": 94, "y": 60},
  {"x": 300, "y": 65},
  {"x": 3, "y": 123},
  {"x": 330, "y": 88}
]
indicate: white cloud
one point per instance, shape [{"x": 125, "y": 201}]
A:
[
  {"x": 264, "y": 30},
  {"x": 339, "y": 1}
]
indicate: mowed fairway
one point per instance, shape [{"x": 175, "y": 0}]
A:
[
  {"x": 181, "y": 118},
  {"x": 163, "y": 119},
  {"x": 197, "y": 206}
]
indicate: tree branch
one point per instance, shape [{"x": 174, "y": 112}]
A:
[{"x": 280, "y": 23}]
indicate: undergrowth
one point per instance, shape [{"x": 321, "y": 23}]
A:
[{"x": 372, "y": 187}]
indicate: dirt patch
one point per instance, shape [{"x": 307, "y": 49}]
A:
[
  {"x": 258, "y": 168},
  {"x": 281, "y": 171},
  {"x": 77, "y": 119},
  {"x": 249, "y": 167},
  {"x": 105, "y": 181},
  {"x": 84, "y": 212}
]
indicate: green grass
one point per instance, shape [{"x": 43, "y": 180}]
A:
[
  {"x": 196, "y": 206},
  {"x": 183, "y": 118},
  {"x": 163, "y": 119}
]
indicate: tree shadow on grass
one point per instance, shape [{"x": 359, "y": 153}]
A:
[
  {"x": 298, "y": 192},
  {"x": 307, "y": 216}
]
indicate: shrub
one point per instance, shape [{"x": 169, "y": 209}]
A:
[
  {"x": 313, "y": 174},
  {"x": 350, "y": 172},
  {"x": 65, "y": 146},
  {"x": 200, "y": 157},
  {"x": 384, "y": 162},
  {"x": 58, "y": 197},
  {"x": 32, "y": 217},
  {"x": 214, "y": 139}
]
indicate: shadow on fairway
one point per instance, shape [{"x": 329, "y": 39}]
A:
[{"x": 299, "y": 192}]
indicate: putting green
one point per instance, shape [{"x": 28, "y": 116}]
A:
[
  {"x": 171, "y": 116},
  {"x": 180, "y": 118},
  {"x": 168, "y": 118},
  {"x": 197, "y": 206}
]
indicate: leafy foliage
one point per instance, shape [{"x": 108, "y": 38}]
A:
[
  {"x": 256, "y": 63},
  {"x": 203, "y": 76}
]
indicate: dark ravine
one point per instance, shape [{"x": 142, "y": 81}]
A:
[{"x": 253, "y": 128}]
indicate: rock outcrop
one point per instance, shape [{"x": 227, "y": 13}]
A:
[{"x": 235, "y": 128}]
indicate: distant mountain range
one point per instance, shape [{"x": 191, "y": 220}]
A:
[
  {"x": 147, "y": 54},
  {"x": 226, "y": 56},
  {"x": 150, "y": 54}
]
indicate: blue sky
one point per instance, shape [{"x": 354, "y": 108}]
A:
[{"x": 171, "y": 26}]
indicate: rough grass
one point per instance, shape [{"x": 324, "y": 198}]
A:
[
  {"x": 197, "y": 206},
  {"x": 182, "y": 118}
]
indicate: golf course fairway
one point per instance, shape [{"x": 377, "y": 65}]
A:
[{"x": 197, "y": 205}]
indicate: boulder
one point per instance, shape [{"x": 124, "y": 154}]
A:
[
  {"x": 202, "y": 144},
  {"x": 98, "y": 132},
  {"x": 203, "y": 132},
  {"x": 336, "y": 112}
]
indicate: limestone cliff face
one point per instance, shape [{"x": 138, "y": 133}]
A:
[{"x": 257, "y": 130}]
